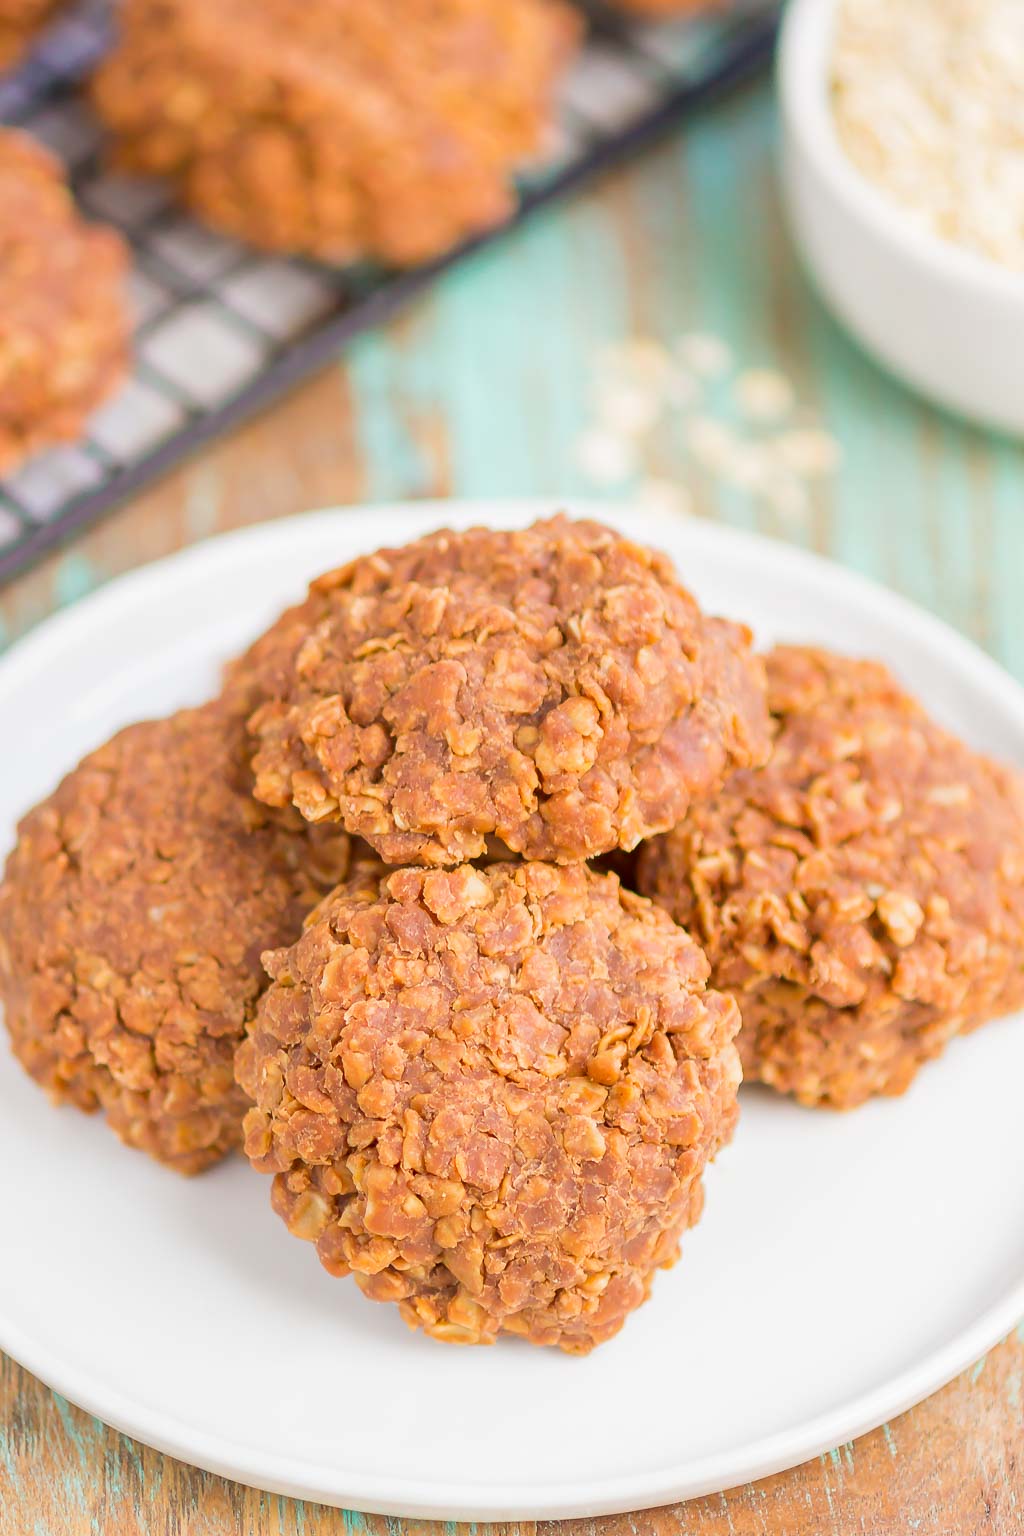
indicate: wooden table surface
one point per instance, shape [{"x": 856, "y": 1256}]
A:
[{"x": 483, "y": 390}]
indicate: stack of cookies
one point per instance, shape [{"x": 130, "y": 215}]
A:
[{"x": 359, "y": 915}]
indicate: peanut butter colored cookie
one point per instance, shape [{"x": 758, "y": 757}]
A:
[
  {"x": 21, "y": 21},
  {"x": 133, "y": 913},
  {"x": 491, "y": 1094},
  {"x": 63, "y": 316},
  {"x": 554, "y": 687},
  {"x": 667, "y": 8},
  {"x": 861, "y": 896},
  {"x": 340, "y": 128}
]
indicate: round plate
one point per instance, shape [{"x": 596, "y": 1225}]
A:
[{"x": 846, "y": 1266}]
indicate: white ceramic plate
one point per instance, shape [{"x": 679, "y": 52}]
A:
[{"x": 845, "y": 1267}]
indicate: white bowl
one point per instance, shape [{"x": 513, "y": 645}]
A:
[{"x": 947, "y": 321}]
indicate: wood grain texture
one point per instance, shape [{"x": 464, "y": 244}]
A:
[
  {"x": 952, "y": 1467},
  {"x": 482, "y": 390}
]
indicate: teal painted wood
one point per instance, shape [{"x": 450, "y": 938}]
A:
[
  {"x": 483, "y": 389},
  {"x": 693, "y": 238}
]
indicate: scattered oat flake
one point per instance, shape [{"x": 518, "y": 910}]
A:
[
  {"x": 645, "y": 361},
  {"x": 639, "y": 384},
  {"x": 649, "y": 359},
  {"x": 705, "y": 355},
  {"x": 711, "y": 442},
  {"x": 664, "y": 498},
  {"x": 627, "y": 408},
  {"x": 763, "y": 394},
  {"x": 790, "y": 499},
  {"x": 682, "y": 391},
  {"x": 809, "y": 452},
  {"x": 605, "y": 458},
  {"x": 749, "y": 467}
]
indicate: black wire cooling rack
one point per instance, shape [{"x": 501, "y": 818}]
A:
[{"x": 221, "y": 329}]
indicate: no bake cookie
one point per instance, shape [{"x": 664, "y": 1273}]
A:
[
  {"x": 133, "y": 913},
  {"x": 63, "y": 317},
  {"x": 555, "y": 688},
  {"x": 490, "y": 1095},
  {"x": 658, "y": 9},
  {"x": 861, "y": 896},
  {"x": 21, "y": 22},
  {"x": 339, "y": 128}
]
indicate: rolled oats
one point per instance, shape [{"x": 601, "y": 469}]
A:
[{"x": 928, "y": 98}]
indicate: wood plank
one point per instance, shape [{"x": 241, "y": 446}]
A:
[{"x": 954, "y": 1466}]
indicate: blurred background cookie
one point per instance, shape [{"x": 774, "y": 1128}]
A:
[
  {"x": 861, "y": 896},
  {"x": 664, "y": 8},
  {"x": 338, "y": 129},
  {"x": 64, "y": 323},
  {"x": 21, "y": 21}
]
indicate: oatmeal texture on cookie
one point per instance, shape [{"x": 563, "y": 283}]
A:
[
  {"x": 63, "y": 315},
  {"x": 862, "y": 896},
  {"x": 553, "y": 687},
  {"x": 340, "y": 128},
  {"x": 133, "y": 913},
  {"x": 491, "y": 1094}
]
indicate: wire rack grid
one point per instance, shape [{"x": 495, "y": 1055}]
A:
[{"x": 221, "y": 329}]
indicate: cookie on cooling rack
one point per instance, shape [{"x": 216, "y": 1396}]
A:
[
  {"x": 64, "y": 326},
  {"x": 668, "y": 8},
  {"x": 343, "y": 129},
  {"x": 21, "y": 22}
]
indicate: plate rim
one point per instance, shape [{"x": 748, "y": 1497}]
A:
[{"x": 314, "y": 1480}]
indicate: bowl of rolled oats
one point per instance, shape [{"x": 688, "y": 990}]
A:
[{"x": 903, "y": 122}]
